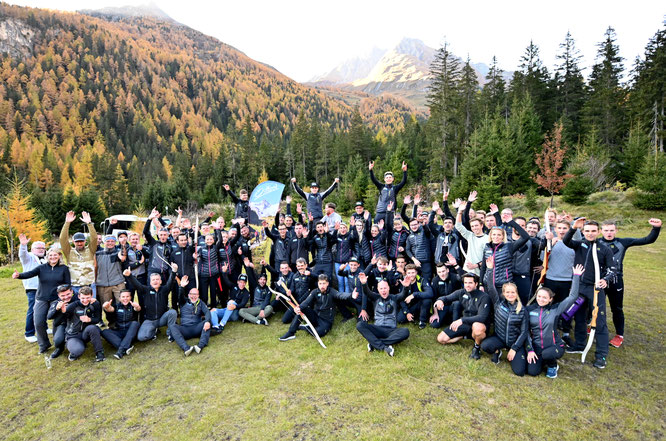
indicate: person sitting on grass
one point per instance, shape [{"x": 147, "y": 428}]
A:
[
  {"x": 261, "y": 309},
  {"x": 58, "y": 313},
  {"x": 156, "y": 301},
  {"x": 511, "y": 324},
  {"x": 82, "y": 318},
  {"x": 239, "y": 296},
  {"x": 476, "y": 312},
  {"x": 194, "y": 321},
  {"x": 384, "y": 333},
  {"x": 318, "y": 307},
  {"x": 544, "y": 345},
  {"x": 127, "y": 325}
]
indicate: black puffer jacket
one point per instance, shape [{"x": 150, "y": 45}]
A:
[
  {"x": 418, "y": 245},
  {"x": 511, "y": 326}
]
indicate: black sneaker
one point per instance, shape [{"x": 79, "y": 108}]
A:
[
  {"x": 422, "y": 325},
  {"x": 476, "y": 353},
  {"x": 170, "y": 339},
  {"x": 572, "y": 350},
  {"x": 389, "y": 350},
  {"x": 288, "y": 336},
  {"x": 370, "y": 348},
  {"x": 57, "y": 353},
  {"x": 70, "y": 357},
  {"x": 215, "y": 331},
  {"x": 45, "y": 350},
  {"x": 600, "y": 363},
  {"x": 568, "y": 341},
  {"x": 100, "y": 357},
  {"x": 118, "y": 355},
  {"x": 496, "y": 357}
]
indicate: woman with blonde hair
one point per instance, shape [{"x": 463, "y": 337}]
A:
[
  {"x": 511, "y": 324},
  {"x": 502, "y": 253}
]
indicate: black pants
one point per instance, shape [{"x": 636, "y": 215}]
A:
[
  {"x": 580, "y": 329},
  {"x": 76, "y": 344},
  {"x": 343, "y": 306},
  {"x": 381, "y": 336},
  {"x": 519, "y": 363},
  {"x": 547, "y": 357},
  {"x": 419, "y": 308},
  {"x": 523, "y": 283},
  {"x": 321, "y": 325},
  {"x": 209, "y": 284},
  {"x": 448, "y": 314},
  {"x": 615, "y": 293},
  {"x": 121, "y": 339}
]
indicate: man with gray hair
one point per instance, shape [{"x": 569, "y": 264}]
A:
[{"x": 30, "y": 260}]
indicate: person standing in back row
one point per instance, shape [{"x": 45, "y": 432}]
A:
[
  {"x": 314, "y": 199},
  {"x": 388, "y": 192}
]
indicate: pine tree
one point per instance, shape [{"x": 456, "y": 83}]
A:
[
  {"x": 570, "y": 86},
  {"x": 444, "y": 101},
  {"x": 533, "y": 79},
  {"x": 493, "y": 95},
  {"x": 634, "y": 152}
]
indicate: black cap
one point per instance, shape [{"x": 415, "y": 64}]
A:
[
  {"x": 263, "y": 275},
  {"x": 353, "y": 259},
  {"x": 358, "y": 204},
  {"x": 63, "y": 288},
  {"x": 314, "y": 184},
  {"x": 79, "y": 236},
  {"x": 242, "y": 277},
  {"x": 122, "y": 233}
]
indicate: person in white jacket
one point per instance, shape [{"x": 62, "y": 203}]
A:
[
  {"x": 29, "y": 260},
  {"x": 476, "y": 241}
]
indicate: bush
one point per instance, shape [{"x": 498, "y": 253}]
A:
[
  {"x": 531, "y": 199},
  {"x": 577, "y": 190}
]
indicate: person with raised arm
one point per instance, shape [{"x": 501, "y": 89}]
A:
[
  {"x": 127, "y": 323},
  {"x": 388, "y": 192},
  {"x": 476, "y": 238},
  {"x": 314, "y": 199},
  {"x": 195, "y": 321},
  {"x": 29, "y": 260},
  {"x": 81, "y": 258}
]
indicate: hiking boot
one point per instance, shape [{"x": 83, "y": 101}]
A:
[
  {"x": 600, "y": 363},
  {"x": 476, "y": 353},
  {"x": 288, "y": 336},
  {"x": 389, "y": 350},
  {"x": 188, "y": 351},
  {"x": 197, "y": 349},
  {"x": 496, "y": 357},
  {"x": 572, "y": 350},
  {"x": 616, "y": 342},
  {"x": 551, "y": 372},
  {"x": 57, "y": 353},
  {"x": 99, "y": 357}
]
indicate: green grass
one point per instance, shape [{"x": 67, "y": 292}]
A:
[{"x": 248, "y": 385}]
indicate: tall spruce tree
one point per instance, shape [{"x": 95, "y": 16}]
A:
[
  {"x": 570, "y": 87},
  {"x": 533, "y": 78},
  {"x": 493, "y": 95}
]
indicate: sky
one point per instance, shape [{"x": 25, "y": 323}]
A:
[{"x": 303, "y": 39}]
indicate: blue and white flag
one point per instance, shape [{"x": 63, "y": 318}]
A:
[{"x": 265, "y": 201}]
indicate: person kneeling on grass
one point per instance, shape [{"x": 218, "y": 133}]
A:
[
  {"x": 544, "y": 345},
  {"x": 511, "y": 323},
  {"x": 319, "y": 308},
  {"x": 261, "y": 308},
  {"x": 384, "y": 333},
  {"x": 194, "y": 321},
  {"x": 238, "y": 298},
  {"x": 82, "y": 318},
  {"x": 156, "y": 301},
  {"x": 58, "y": 313},
  {"x": 127, "y": 326},
  {"x": 476, "y": 311}
]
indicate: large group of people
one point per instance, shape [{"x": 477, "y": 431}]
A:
[{"x": 513, "y": 286}]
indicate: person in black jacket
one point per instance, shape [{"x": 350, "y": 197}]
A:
[
  {"x": 207, "y": 258},
  {"x": 127, "y": 325},
  {"x": 301, "y": 284},
  {"x": 239, "y": 296},
  {"x": 82, "y": 318},
  {"x": 50, "y": 275},
  {"x": 511, "y": 325},
  {"x": 298, "y": 247},
  {"x": 156, "y": 299},
  {"x": 318, "y": 308},
  {"x": 242, "y": 210},
  {"x": 57, "y": 313},
  {"x": 476, "y": 311},
  {"x": 280, "y": 249},
  {"x": 183, "y": 256},
  {"x": 195, "y": 321},
  {"x": 417, "y": 300},
  {"x": 261, "y": 308},
  {"x": 314, "y": 199},
  {"x": 384, "y": 333},
  {"x": 387, "y": 191},
  {"x": 443, "y": 284},
  {"x": 615, "y": 290},
  {"x": 583, "y": 255}
]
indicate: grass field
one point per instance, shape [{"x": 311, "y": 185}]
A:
[{"x": 248, "y": 385}]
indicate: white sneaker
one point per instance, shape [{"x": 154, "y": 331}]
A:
[
  {"x": 31, "y": 339},
  {"x": 49, "y": 331},
  {"x": 189, "y": 351},
  {"x": 197, "y": 349}
]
